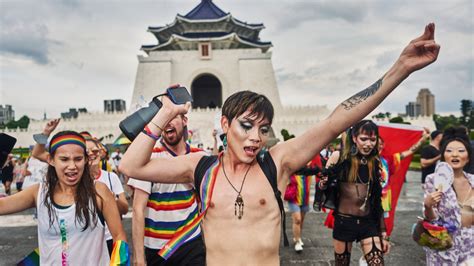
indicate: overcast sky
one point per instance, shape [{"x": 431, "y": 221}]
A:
[{"x": 60, "y": 54}]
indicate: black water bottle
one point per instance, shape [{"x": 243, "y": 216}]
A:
[{"x": 133, "y": 124}]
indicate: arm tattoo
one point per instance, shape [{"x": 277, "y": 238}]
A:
[
  {"x": 362, "y": 95},
  {"x": 416, "y": 145}
]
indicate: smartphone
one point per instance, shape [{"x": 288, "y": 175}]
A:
[
  {"x": 179, "y": 95},
  {"x": 6, "y": 145}
]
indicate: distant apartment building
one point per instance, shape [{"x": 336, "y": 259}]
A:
[
  {"x": 117, "y": 105},
  {"x": 6, "y": 114},
  {"x": 413, "y": 109},
  {"x": 426, "y": 100},
  {"x": 73, "y": 113}
]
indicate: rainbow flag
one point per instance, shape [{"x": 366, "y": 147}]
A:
[
  {"x": 33, "y": 259},
  {"x": 388, "y": 170},
  {"x": 207, "y": 186},
  {"x": 120, "y": 254},
  {"x": 434, "y": 236}
]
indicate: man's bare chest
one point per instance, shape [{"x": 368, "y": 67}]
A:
[{"x": 253, "y": 199}]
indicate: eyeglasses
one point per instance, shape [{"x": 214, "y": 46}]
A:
[{"x": 95, "y": 151}]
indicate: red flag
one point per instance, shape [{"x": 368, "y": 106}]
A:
[{"x": 397, "y": 138}]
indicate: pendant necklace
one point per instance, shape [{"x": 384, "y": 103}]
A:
[
  {"x": 367, "y": 195},
  {"x": 239, "y": 201}
]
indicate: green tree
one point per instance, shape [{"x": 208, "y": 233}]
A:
[
  {"x": 388, "y": 115},
  {"x": 467, "y": 113},
  {"x": 379, "y": 115},
  {"x": 398, "y": 120},
  {"x": 286, "y": 135},
  {"x": 443, "y": 122},
  {"x": 23, "y": 122}
]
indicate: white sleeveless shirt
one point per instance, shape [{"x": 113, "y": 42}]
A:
[{"x": 64, "y": 243}]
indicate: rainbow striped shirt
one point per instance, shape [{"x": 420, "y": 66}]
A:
[
  {"x": 170, "y": 207},
  {"x": 389, "y": 166}
]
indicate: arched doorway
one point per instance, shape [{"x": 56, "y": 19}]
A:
[{"x": 206, "y": 90}]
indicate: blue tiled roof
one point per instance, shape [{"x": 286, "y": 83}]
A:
[
  {"x": 205, "y": 10},
  {"x": 204, "y": 34},
  {"x": 219, "y": 34}
]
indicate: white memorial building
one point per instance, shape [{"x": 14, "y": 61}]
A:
[{"x": 214, "y": 55}]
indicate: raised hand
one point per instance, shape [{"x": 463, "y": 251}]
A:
[
  {"x": 51, "y": 126},
  {"x": 433, "y": 199},
  {"x": 426, "y": 133},
  {"x": 421, "y": 51},
  {"x": 175, "y": 109}
]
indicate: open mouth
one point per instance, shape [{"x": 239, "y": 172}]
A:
[
  {"x": 72, "y": 176},
  {"x": 455, "y": 161},
  {"x": 93, "y": 159},
  {"x": 170, "y": 131},
  {"x": 366, "y": 150},
  {"x": 251, "y": 150}
]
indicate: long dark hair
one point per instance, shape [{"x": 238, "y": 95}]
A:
[
  {"x": 85, "y": 197},
  {"x": 364, "y": 126}
]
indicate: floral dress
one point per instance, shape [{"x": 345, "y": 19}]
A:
[{"x": 449, "y": 213}]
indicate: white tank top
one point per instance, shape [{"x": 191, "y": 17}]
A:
[{"x": 64, "y": 243}]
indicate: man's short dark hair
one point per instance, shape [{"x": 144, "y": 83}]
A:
[
  {"x": 435, "y": 133},
  {"x": 242, "y": 101}
]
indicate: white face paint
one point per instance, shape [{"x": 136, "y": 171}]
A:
[
  {"x": 246, "y": 136},
  {"x": 456, "y": 155}
]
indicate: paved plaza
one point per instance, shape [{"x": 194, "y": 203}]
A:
[{"x": 18, "y": 235}]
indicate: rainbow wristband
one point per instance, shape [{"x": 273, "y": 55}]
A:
[{"x": 150, "y": 134}]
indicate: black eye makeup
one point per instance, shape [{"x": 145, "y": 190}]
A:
[
  {"x": 265, "y": 130},
  {"x": 248, "y": 125}
]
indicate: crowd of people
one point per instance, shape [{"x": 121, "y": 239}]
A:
[{"x": 192, "y": 207}]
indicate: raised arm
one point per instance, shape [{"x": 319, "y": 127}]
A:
[
  {"x": 416, "y": 146},
  {"x": 215, "y": 149},
  {"x": 294, "y": 153},
  {"x": 136, "y": 161},
  {"x": 39, "y": 150}
]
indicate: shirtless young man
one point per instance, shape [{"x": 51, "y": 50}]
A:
[{"x": 246, "y": 118}]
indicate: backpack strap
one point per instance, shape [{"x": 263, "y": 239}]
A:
[
  {"x": 201, "y": 168},
  {"x": 269, "y": 169},
  {"x": 110, "y": 183}
]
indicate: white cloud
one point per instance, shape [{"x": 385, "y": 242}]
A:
[{"x": 60, "y": 54}]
